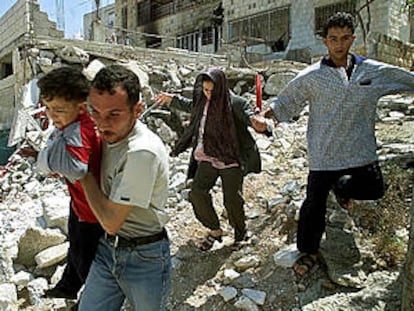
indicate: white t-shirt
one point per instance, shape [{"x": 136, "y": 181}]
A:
[{"x": 134, "y": 171}]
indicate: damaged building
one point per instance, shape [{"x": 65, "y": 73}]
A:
[
  {"x": 100, "y": 25},
  {"x": 263, "y": 30},
  {"x": 19, "y": 25},
  {"x": 31, "y": 45},
  {"x": 207, "y": 32}
]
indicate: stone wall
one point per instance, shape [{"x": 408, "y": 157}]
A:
[
  {"x": 15, "y": 32},
  {"x": 387, "y": 17},
  {"x": 398, "y": 21},
  {"x": 14, "y": 25},
  {"x": 6, "y": 101},
  {"x": 241, "y": 8},
  {"x": 107, "y": 19},
  {"x": 391, "y": 50}
]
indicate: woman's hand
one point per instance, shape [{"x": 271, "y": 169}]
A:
[{"x": 163, "y": 98}]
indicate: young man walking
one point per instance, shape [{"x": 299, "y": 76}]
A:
[
  {"x": 342, "y": 91},
  {"x": 133, "y": 258}
]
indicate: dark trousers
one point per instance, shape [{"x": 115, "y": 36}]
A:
[
  {"x": 232, "y": 183},
  {"x": 83, "y": 241},
  {"x": 360, "y": 183}
]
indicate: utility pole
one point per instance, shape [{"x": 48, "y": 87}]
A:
[{"x": 98, "y": 30}]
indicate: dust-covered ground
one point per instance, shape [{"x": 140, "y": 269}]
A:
[{"x": 361, "y": 257}]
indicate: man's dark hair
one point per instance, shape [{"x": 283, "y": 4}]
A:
[
  {"x": 110, "y": 77},
  {"x": 339, "y": 19},
  {"x": 66, "y": 82}
]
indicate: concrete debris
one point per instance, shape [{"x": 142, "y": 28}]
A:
[
  {"x": 244, "y": 303},
  {"x": 257, "y": 296},
  {"x": 34, "y": 209},
  {"x": 73, "y": 55},
  {"x": 35, "y": 240},
  {"x": 21, "y": 279},
  {"x": 92, "y": 69},
  {"x": 286, "y": 257},
  {"x": 228, "y": 293},
  {"x": 8, "y": 297},
  {"x": 52, "y": 255},
  {"x": 247, "y": 262}
]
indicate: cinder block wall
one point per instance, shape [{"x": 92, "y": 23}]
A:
[
  {"x": 12, "y": 25},
  {"x": 6, "y": 106},
  {"x": 391, "y": 50},
  {"x": 43, "y": 26},
  {"x": 399, "y": 20}
]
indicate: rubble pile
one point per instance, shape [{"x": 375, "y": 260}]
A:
[{"x": 34, "y": 211}]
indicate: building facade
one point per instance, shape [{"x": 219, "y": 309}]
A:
[
  {"x": 105, "y": 21},
  {"x": 260, "y": 29},
  {"x": 192, "y": 25}
]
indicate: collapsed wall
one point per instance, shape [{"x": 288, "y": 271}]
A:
[{"x": 19, "y": 25}]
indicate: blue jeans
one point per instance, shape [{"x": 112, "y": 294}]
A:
[{"x": 141, "y": 274}]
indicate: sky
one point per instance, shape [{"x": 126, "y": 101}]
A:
[{"x": 74, "y": 11}]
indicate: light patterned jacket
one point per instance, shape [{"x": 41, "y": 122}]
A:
[{"x": 342, "y": 111}]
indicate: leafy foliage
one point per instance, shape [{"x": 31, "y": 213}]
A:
[{"x": 392, "y": 215}]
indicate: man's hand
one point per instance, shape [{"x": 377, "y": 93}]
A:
[
  {"x": 268, "y": 113},
  {"x": 163, "y": 98},
  {"x": 258, "y": 123},
  {"x": 110, "y": 215},
  {"x": 269, "y": 119}
]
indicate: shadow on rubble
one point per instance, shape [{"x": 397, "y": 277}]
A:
[
  {"x": 388, "y": 299},
  {"x": 318, "y": 287},
  {"x": 192, "y": 268}
]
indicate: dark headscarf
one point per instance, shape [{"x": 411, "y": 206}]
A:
[{"x": 219, "y": 140}]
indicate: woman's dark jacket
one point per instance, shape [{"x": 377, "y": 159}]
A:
[{"x": 249, "y": 154}]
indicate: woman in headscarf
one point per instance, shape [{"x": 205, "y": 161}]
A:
[{"x": 222, "y": 147}]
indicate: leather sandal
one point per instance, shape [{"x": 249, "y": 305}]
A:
[
  {"x": 305, "y": 263},
  {"x": 207, "y": 242},
  {"x": 239, "y": 243}
]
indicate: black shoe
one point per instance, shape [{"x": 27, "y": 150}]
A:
[
  {"x": 58, "y": 292},
  {"x": 242, "y": 237}
]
